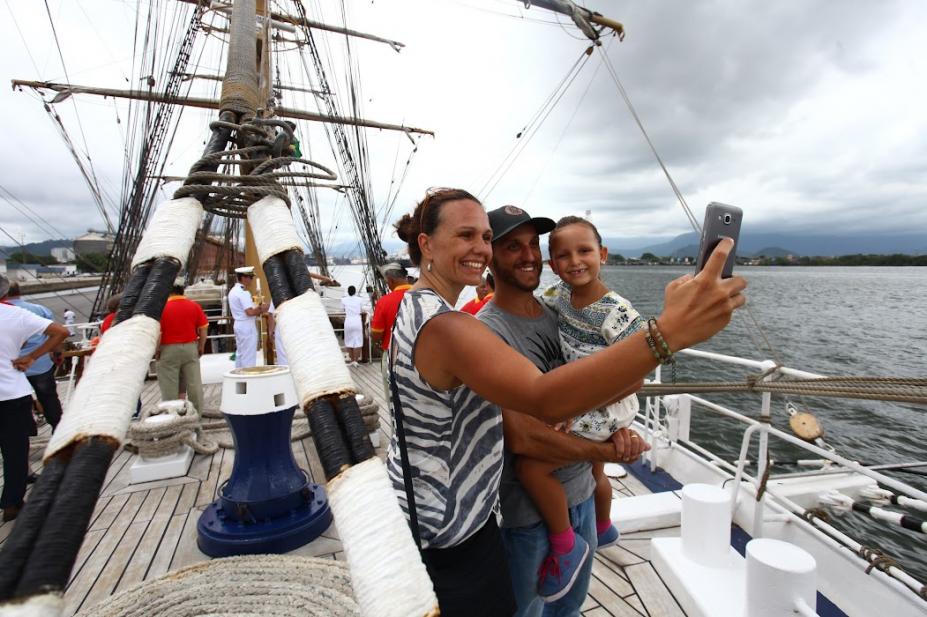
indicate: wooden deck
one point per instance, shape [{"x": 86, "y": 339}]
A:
[{"x": 139, "y": 532}]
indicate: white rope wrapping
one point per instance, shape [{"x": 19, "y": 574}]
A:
[
  {"x": 104, "y": 400},
  {"x": 273, "y": 228},
  {"x": 387, "y": 572},
  {"x": 171, "y": 231},
  {"x": 48, "y": 605},
  {"x": 316, "y": 361}
]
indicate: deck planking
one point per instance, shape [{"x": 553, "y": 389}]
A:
[{"x": 140, "y": 532}]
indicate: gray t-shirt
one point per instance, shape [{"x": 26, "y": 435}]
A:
[{"x": 538, "y": 340}]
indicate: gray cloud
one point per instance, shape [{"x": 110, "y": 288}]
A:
[{"x": 805, "y": 113}]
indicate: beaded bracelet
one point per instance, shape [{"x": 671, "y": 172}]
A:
[{"x": 658, "y": 346}]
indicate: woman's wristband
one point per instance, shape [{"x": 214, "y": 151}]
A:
[{"x": 657, "y": 344}]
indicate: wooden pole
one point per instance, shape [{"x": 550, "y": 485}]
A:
[{"x": 282, "y": 112}]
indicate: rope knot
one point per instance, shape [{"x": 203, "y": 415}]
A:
[{"x": 876, "y": 558}]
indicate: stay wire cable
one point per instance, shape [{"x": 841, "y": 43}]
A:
[{"x": 682, "y": 201}]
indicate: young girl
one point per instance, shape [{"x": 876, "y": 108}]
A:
[{"x": 590, "y": 318}]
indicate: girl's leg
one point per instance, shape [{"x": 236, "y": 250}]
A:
[
  {"x": 546, "y": 492},
  {"x": 603, "y": 494},
  {"x": 604, "y": 528}
]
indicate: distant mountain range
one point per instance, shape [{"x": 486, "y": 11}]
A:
[
  {"x": 780, "y": 245},
  {"x": 36, "y": 248}
]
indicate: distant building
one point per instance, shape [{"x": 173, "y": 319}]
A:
[
  {"x": 63, "y": 254},
  {"x": 23, "y": 272},
  {"x": 94, "y": 242},
  {"x": 56, "y": 271},
  {"x": 2, "y": 266}
]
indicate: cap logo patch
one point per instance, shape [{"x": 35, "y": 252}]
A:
[{"x": 514, "y": 210}]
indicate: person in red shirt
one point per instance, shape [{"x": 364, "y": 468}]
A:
[
  {"x": 484, "y": 293},
  {"x": 112, "y": 305},
  {"x": 384, "y": 316},
  {"x": 384, "y": 313},
  {"x": 183, "y": 341}
]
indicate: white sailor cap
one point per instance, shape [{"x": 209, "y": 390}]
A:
[{"x": 246, "y": 270}]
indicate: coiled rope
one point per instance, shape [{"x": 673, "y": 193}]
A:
[
  {"x": 163, "y": 432},
  {"x": 280, "y": 585},
  {"x": 231, "y": 195}
]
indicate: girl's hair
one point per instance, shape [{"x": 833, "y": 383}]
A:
[
  {"x": 352, "y": 290},
  {"x": 574, "y": 220},
  {"x": 426, "y": 218}
]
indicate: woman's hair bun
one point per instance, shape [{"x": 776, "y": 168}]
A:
[{"x": 404, "y": 227}]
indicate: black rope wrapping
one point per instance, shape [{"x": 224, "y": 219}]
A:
[
  {"x": 352, "y": 423},
  {"x": 277, "y": 280},
  {"x": 157, "y": 287},
  {"x": 287, "y": 275},
  {"x": 18, "y": 546},
  {"x": 333, "y": 453},
  {"x": 54, "y": 553},
  {"x": 132, "y": 291},
  {"x": 295, "y": 261}
]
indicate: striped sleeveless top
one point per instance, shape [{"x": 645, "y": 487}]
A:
[{"x": 453, "y": 437}]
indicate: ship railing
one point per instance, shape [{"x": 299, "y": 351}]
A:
[{"x": 676, "y": 429}]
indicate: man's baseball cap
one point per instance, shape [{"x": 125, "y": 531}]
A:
[
  {"x": 245, "y": 271},
  {"x": 505, "y": 219},
  {"x": 395, "y": 268}
]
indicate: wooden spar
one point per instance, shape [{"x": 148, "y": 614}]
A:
[
  {"x": 306, "y": 23},
  {"x": 567, "y": 7},
  {"x": 283, "y": 112},
  {"x": 189, "y": 76}
]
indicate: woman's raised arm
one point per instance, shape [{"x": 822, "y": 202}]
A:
[{"x": 455, "y": 348}]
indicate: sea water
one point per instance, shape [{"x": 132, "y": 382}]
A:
[{"x": 834, "y": 321}]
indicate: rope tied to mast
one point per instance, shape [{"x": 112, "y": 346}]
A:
[{"x": 259, "y": 146}]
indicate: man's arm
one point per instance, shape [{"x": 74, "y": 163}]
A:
[
  {"x": 528, "y": 436},
  {"x": 56, "y": 334},
  {"x": 254, "y": 311},
  {"x": 201, "y": 341},
  {"x": 327, "y": 280}
]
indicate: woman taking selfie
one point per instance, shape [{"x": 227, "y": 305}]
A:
[{"x": 453, "y": 375}]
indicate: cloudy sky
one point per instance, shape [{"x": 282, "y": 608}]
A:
[{"x": 809, "y": 115}]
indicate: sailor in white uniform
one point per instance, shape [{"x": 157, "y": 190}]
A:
[{"x": 244, "y": 312}]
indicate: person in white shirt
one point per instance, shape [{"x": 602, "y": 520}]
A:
[
  {"x": 69, "y": 317},
  {"x": 244, "y": 312},
  {"x": 279, "y": 351},
  {"x": 353, "y": 326},
  {"x": 16, "y": 422}
]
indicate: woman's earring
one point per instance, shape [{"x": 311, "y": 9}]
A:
[{"x": 428, "y": 267}]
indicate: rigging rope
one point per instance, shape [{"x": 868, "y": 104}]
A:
[
  {"x": 899, "y": 389},
  {"x": 531, "y": 128}
]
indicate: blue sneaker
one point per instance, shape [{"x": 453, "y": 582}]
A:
[
  {"x": 558, "y": 573},
  {"x": 609, "y": 537}
]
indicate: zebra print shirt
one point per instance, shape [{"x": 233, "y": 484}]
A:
[{"x": 454, "y": 439}]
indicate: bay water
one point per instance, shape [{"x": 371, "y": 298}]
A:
[{"x": 834, "y": 321}]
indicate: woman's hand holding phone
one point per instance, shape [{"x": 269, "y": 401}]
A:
[{"x": 695, "y": 308}]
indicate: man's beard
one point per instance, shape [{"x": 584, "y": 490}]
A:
[{"x": 509, "y": 277}]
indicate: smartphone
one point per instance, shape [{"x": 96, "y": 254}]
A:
[{"x": 721, "y": 221}]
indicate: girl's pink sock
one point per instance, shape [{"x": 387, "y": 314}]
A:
[
  {"x": 601, "y": 526},
  {"x": 562, "y": 543}
]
